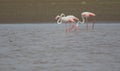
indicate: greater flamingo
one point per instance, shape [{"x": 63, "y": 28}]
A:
[
  {"x": 70, "y": 19},
  {"x": 85, "y": 16}
]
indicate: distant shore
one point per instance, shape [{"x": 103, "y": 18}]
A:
[{"x": 25, "y": 11}]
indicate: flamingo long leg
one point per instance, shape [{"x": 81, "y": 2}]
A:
[
  {"x": 86, "y": 23},
  {"x": 67, "y": 28},
  {"x": 93, "y": 25},
  {"x": 76, "y": 26},
  {"x": 71, "y": 26}
]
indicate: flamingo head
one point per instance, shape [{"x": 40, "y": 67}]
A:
[
  {"x": 57, "y": 17},
  {"x": 62, "y": 15},
  {"x": 87, "y": 14}
]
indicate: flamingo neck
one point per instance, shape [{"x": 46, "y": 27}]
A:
[
  {"x": 83, "y": 20},
  {"x": 59, "y": 21}
]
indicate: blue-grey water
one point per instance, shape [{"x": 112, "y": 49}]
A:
[{"x": 47, "y": 47}]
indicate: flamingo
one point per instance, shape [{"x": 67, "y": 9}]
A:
[
  {"x": 70, "y": 19},
  {"x": 85, "y": 16}
]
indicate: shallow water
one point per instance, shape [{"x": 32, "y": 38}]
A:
[{"x": 47, "y": 47}]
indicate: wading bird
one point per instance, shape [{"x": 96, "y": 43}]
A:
[
  {"x": 70, "y": 19},
  {"x": 85, "y": 16}
]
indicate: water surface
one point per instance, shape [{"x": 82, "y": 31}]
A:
[{"x": 47, "y": 47}]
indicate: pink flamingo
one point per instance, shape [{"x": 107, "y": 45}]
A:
[
  {"x": 85, "y": 16},
  {"x": 70, "y": 19}
]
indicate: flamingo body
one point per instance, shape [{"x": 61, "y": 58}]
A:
[
  {"x": 70, "y": 19},
  {"x": 73, "y": 21},
  {"x": 87, "y": 14}
]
